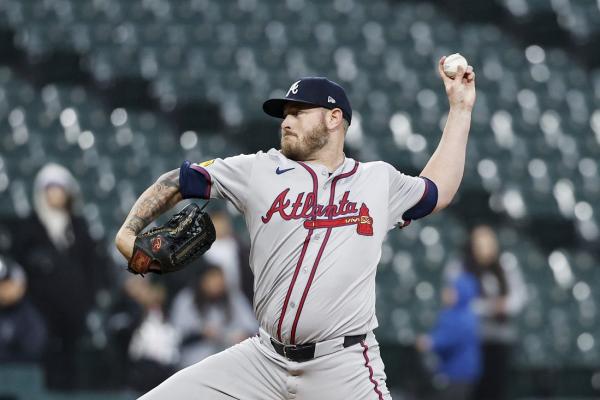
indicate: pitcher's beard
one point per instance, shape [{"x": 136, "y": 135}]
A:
[{"x": 301, "y": 149}]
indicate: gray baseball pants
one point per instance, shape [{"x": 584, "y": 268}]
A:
[{"x": 252, "y": 370}]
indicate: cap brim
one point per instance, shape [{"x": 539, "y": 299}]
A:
[{"x": 274, "y": 107}]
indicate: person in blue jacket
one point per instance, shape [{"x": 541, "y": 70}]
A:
[{"x": 455, "y": 339}]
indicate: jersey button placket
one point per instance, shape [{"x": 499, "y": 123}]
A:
[{"x": 309, "y": 258}]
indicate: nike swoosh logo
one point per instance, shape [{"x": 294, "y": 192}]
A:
[{"x": 281, "y": 171}]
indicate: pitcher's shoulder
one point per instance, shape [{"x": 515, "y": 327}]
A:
[{"x": 376, "y": 166}]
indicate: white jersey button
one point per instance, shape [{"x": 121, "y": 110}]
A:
[{"x": 293, "y": 305}]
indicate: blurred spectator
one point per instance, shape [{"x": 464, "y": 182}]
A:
[
  {"x": 210, "y": 318},
  {"x": 231, "y": 255},
  {"x": 153, "y": 352},
  {"x": 65, "y": 270},
  {"x": 502, "y": 297},
  {"x": 22, "y": 330},
  {"x": 455, "y": 339}
]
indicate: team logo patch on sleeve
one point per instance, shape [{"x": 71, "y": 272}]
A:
[{"x": 206, "y": 163}]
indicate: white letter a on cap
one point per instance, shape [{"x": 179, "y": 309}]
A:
[{"x": 293, "y": 89}]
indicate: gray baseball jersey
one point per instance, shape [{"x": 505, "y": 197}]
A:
[{"x": 315, "y": 236}]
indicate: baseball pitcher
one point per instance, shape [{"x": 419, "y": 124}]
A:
[{"x": 317, "y": 220}]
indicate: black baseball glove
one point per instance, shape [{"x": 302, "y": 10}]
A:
[{"x": 168, "y": 248}]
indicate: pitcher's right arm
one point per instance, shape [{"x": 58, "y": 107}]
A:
[{"x": 160, "y": 197}]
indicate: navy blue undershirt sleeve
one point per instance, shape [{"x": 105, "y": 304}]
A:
[
  {"x": 194, "y": 181},
  {"x": 427, "y": 203}
]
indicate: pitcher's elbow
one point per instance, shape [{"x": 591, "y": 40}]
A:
[
  {"x": 444, "y": 200},
  {"x": 118, "y": 238}
]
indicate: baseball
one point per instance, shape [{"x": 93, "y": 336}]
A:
[{"x": 452, "y": 62}]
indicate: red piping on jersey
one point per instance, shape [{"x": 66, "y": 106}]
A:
[
  {"x": 302, "y": 254},
  {"x": 321, "y": 249},
  {"x": 373, "y": 381},
  {"x": 206, "y": 176}
]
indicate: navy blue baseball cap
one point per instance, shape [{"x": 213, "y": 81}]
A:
[{"x": 316, "y": 91}]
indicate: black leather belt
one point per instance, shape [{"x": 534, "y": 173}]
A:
[{"x": 305, "y": 352}]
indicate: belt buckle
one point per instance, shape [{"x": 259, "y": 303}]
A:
[{"x": 285, "y": 349}]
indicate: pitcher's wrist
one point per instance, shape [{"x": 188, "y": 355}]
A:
[
  {"x": 124, "y": 242},
  {"x": 461, "y": 109}
]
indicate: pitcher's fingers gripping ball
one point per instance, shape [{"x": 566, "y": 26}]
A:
[
  {"x": 452, "y": 62},
  {"x": 170, "y": 247},
  {"x": 455, "y": 65}
]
